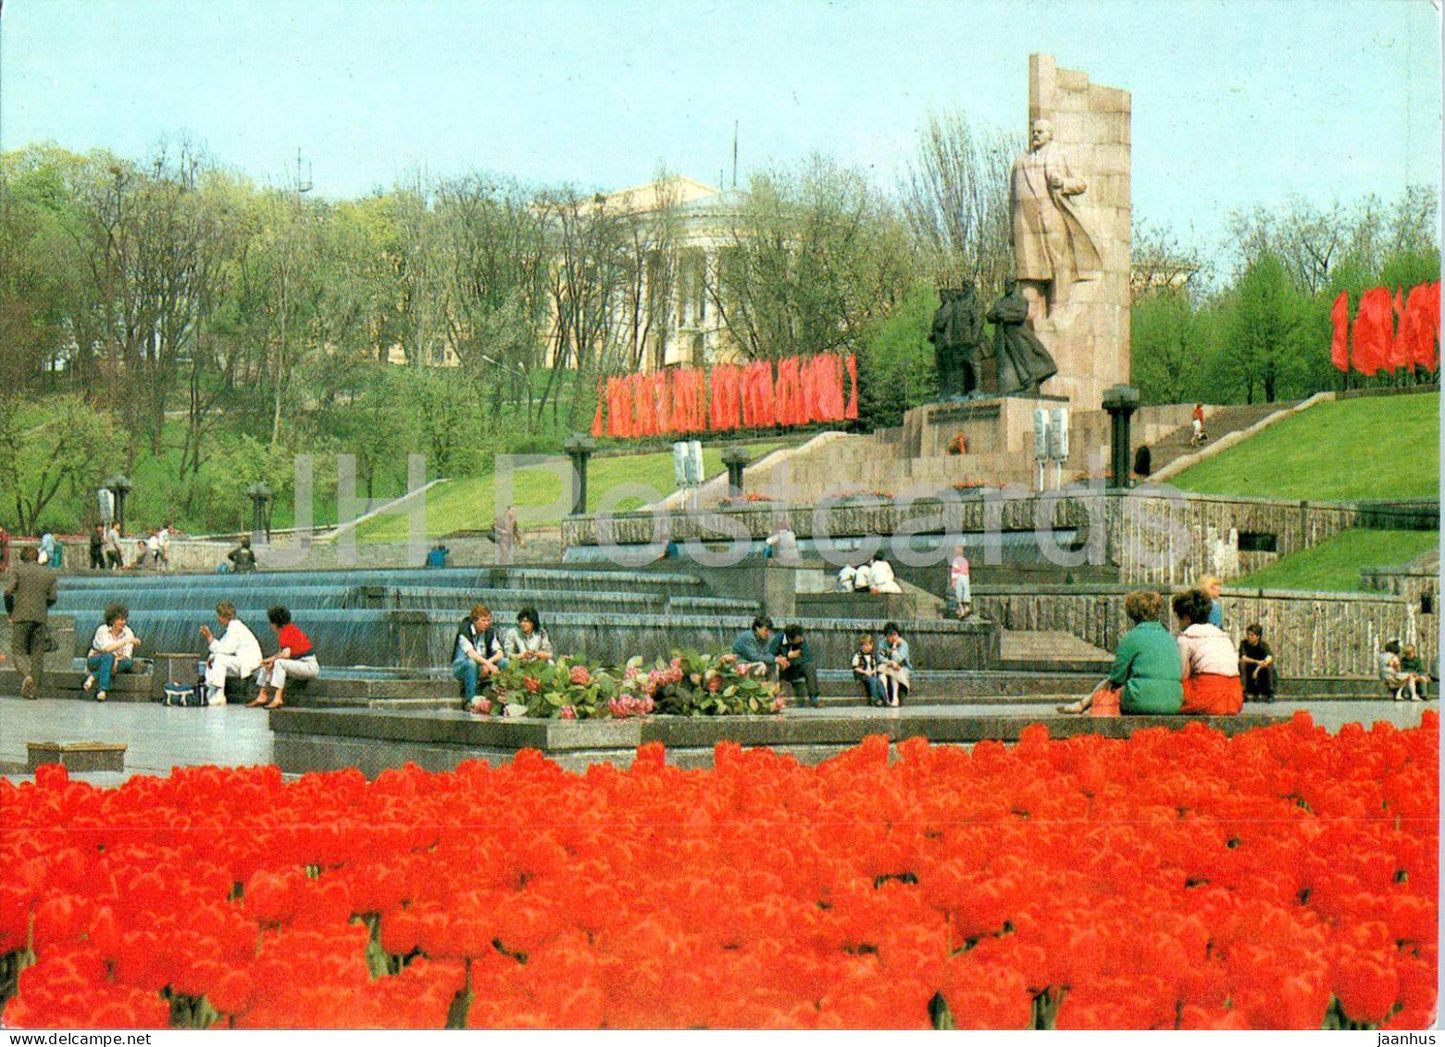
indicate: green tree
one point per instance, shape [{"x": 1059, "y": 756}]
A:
[
  {"x": 896, "y": 365},
  {"x": 71, "y": 451},
  {"x": 1266, "y": 317}
]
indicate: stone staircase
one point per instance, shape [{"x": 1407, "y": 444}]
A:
[
  {"x": 1051, "y": 651},
  {"x": 1217, "y": 425}
]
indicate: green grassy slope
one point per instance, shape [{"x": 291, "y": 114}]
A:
[
  {"x": 469, "y": 504},
  {"x": 1373, "y": 447},
  {"x": 1334, "y": 566}
]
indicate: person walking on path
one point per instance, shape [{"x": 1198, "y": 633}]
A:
[
  {"x": 114, "y": 557},
  {"x": 505, "y": 532},
  {"x": 29, "y": 594},
  {"x": 97, "y": 548},
  {"x": 958, "y": 583}
]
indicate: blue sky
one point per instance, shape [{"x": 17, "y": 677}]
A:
[{"x": 1235, "y": 103}]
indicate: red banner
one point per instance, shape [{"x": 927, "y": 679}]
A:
[
  {"x": 821, "y": 388},
  {"x": 1372, "y": 332}
]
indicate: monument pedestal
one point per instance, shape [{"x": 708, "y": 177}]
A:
[{"x": 999, "y": 425}]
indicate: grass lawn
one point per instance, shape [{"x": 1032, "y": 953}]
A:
[
  {"x": 469, "y": 503},
  {"x": 1334, "y": 566},
  {"x": 1374, "y": 447}
]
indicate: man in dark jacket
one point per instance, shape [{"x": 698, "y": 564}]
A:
[
  {"x": 801, "y": 669},
  {"x": 759, "y": 646},
  {"x": 29, "y": 595}
]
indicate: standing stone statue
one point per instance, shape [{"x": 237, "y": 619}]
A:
[
  {"x": 957, "y": 337},
  {"x": 1052, "y": 245},
  {"x": 1023, "y": 362}
]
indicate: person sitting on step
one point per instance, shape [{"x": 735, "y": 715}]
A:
[
  {"x": 1208, "y": 662},
  {"x": 528, "y": 641},
  {"x": 894, "y": 666},
  {"x": 881, "y": 578},
  {"x": 1147, "y": 676},
  {"x": 800, "y": 667},
  {"x": 758, "y": 645},
  {"x": 236, "y": 652},
  {"x": 1410, "y": 663},
  {"x": 1256, "y": 665},
  {"x": 110, "y": 651},
  {"x": 294, "y": 659},
  {"x": 865, "y": 671},
  {"x": 476, "y": 652},
  {"x": 1396, "y": 679}
]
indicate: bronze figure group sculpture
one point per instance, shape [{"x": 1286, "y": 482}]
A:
[{"x": 1053, "y": 250}]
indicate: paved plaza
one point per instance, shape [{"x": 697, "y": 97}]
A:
[{"x": 161, "y": 737}]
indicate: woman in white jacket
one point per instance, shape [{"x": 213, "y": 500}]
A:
[{"x": 236, "y": 652}]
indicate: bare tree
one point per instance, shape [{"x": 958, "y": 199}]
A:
[
  {"x": 494, "y": 257},
  {"x": 812, "y": 258},
  {"x": 955, "y": 197}
]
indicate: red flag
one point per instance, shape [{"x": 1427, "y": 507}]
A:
[
  {"x": 1418, "y": 327},
  {"x": 809, "y": 373},
  {"x": 787, "y": 393},
  {"x": 698, "y": 380},
  {"x": 644, "y": 419},
  {"x": 726, "y": 399},
  {"x": 679, "y": 415},
  {"x": 759, "y": 408},
  {"x": 619, "y": 407},
  {"x": 1431, "y": 336},
  {"x": 1340, "y": 344},
  {"x": 1399, "y": 349},
  {"x": 597, "y": 418},
  {"x": 1371, "y": 334},
  {"x": 852, "y": 410}
]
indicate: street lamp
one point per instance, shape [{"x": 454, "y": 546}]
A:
[
  {"x": 260, "y": 495},
  {"x": 119, "y": 486}
]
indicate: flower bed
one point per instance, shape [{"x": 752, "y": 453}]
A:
[
  {"x": 691, "y": 684},
  {"x": 1283, "y": 878}
]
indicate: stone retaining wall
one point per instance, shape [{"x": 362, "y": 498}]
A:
[
  {"x": 323, "y": 739},
  {"x": 1151, "y": 535},
  {"x": 426, "y": 640},
  {"x": 1312, "y": 634}
]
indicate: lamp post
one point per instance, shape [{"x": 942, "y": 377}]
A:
[
  {"x": 1120, "y": 401},
  {"x": 736, "y": 459},
  {"x": 579, "y": 448},
  {"x": 260, "y": 495},
  {"x": 119, "y": 486}
]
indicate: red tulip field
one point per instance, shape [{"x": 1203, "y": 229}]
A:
[{"x": 1284, "y": 878}]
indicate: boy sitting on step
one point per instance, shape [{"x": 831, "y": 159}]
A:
[{"x": 865, "y": 671}]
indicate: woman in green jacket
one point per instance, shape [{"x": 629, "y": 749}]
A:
[{"x": 1146, "y": 677}]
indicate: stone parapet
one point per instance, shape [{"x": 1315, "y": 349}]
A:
[
  {"x": 323, "y": 739},
  {"x": 1311, "y": 634}
]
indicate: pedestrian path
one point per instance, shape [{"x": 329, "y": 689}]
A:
[
  {"x": 158, "y": 737},
  {"x": 161, "y": 737}
]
